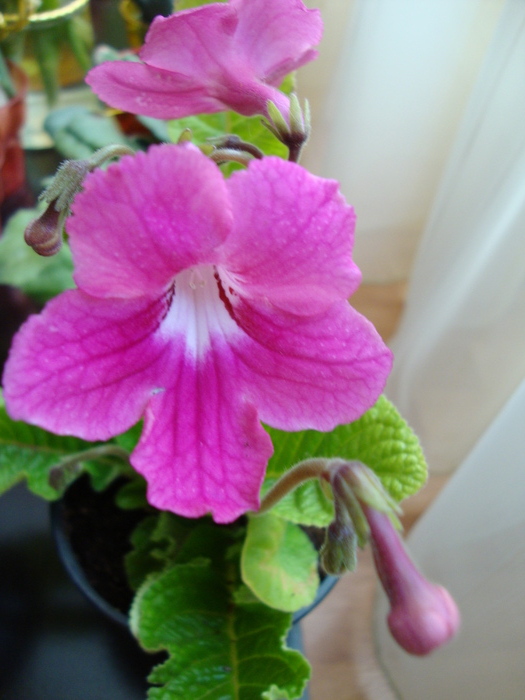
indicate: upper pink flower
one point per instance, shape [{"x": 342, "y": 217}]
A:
[
  {"x": 203, "y": 305},
  {"x": 221, "y": 56}
]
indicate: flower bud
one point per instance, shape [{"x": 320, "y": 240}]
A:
[
  {"x": 423, "y": 615},
  {"x": 292, "y": 129},
  {"x": 338, "y": 553},
  {"x": 44, "y": 234}
]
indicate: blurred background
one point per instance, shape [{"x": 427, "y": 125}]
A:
[{"x": 419, "y": 111}]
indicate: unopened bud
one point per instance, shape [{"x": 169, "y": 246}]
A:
[
  {"x": 339, "y": 551},
  {"x": 345, "y": 499},
  {"x": 293, "y": 129},
  {"x": 423, "y": 615},
  {"x": 44, "y": 234}
]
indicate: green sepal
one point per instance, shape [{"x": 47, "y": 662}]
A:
[
  {"x": 381, "y": 439},
  {"x": 279, "y": 563}
]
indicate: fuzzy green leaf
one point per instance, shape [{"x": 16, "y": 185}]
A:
[
  {"x": 381, "y": 439},
  {"x": 144, "y": 558},
  {"x": 219, "y": 649},
  {"x": 41, "y": 278},
  {"x": 28, "y": 452},
  {"x": 165, "y": 539},
  {"x": 279, "y": 563}
]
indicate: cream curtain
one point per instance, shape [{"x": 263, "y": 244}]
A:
[
  {"x": 387, "y": 92},
  {"x": 424, "y": 125},
  {"x": 461, "y": 347},
  {"x": 473, "y": 540},
  {"x": 460, "y": 379}
]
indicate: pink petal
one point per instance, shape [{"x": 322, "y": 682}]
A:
[
  {"x": 85, "y": 366},
  {"x": 310, "y": 372},
  {"x": 277, "y": 35},
  {"x": 292, "y": 238},
  {"x": 192, "y": 42},
  {"x": 142, "y": 89},
  {"x": 203, "y": 448},
  {"x": 140, "y": 222},
  {"x": 215, "y": 58}
]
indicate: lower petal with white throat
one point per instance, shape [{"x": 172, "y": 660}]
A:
[{"x": 203, "y": 449}]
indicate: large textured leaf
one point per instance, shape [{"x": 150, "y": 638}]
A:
[
  {"x": 41, "y": 278},
  {"x": 279, "y": 563},
  {"x": 28, "y": 452},
  {"x": 381, "y": 439},
  {"x": 164, "y": 539},
  {"x": 220, "y": 648},
  {"x": 145, "y": 557}
]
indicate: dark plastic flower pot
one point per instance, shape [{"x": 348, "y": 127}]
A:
[{"x": 78, "y": 575}]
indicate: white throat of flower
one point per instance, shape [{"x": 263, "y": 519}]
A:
[{"x": 197, "y": 311}]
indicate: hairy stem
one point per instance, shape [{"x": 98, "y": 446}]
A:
[{"x": 304, "y": 471}]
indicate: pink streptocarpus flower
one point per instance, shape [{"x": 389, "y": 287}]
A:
[
  {"x": 203, "y": 305},
  {"x": 216, "y": 57},
  {"x": 423, "y": 615}
]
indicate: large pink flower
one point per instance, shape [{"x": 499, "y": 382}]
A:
[
  {"x": 203, "y": 305},
  {"x": 211, "y": 58}
]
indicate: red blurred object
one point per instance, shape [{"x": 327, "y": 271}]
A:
[{"x": 12, "y": 114}]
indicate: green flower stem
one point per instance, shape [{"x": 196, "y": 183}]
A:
[
  {"x": 106, "y": 153},
  {"x": 69, "y": 467},
  {"x": 319, "y": 468},
  {"x": 229, "y": 155},
  {"x": 94, "y": 453},
  {"x": 235, "y": 143}
]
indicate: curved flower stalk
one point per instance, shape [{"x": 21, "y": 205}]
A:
[
  {"x": 223, "y": 56},
  {"x": 423, "y": 615},
  {"x": 203, "y": 305}
]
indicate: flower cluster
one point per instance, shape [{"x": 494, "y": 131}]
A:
[{"x": 206, "y": 306}]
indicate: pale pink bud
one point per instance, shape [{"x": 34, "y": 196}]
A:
[{"x": 423, "y": 615}]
